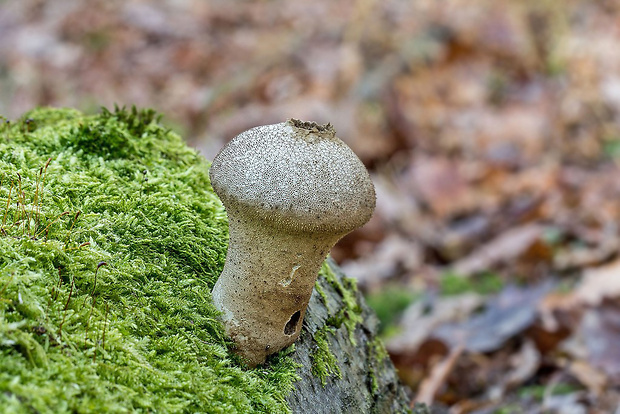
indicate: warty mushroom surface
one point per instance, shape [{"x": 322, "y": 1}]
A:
[{"x": 291, "y": 191}]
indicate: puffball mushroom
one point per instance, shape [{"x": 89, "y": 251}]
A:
[{"x": 291, "y": 191}]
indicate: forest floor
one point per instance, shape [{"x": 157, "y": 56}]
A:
[{"x": 491, "y": 130}]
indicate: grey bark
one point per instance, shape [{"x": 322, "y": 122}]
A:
[{"x": 353, "y": 393}]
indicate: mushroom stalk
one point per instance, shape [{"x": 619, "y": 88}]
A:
[
  {"x": 291, "y": 191},
  {"x": 264, "y": 313}
]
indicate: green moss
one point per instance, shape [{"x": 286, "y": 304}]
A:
[
  {"x": 483, "y": 283},
  {"x": 138, "y": 334},
  {"x": 377, "y": 349},
  {"x": 510, "y": 409},
  {"x": 324, "y": 362},
  {"x": 376, "y": 353},
  {"x": 611, "y": 148},
  {"x": 321, "y": 292},
  {"x": 389, "y": 303},
  {"x": 350, "y": 315},
  {"x": 537, "y": 392}
]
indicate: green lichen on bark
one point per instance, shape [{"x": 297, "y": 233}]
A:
[
  {"x": 368, "y": 382},
  {"x": 321, "y": 292},
  {"x": 349, "y": 315},
  {"x": 140, "y": 333},
  {"x": 324, "y": 363},
  {"x": 377, "y": 354}
]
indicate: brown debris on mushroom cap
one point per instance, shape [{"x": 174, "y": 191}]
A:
[{"x": 291, "y": 191}]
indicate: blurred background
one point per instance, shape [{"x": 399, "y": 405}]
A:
[{"x": 491, "y": 130}]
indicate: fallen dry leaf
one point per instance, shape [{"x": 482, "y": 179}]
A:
[
  {"x": 395, "y": 255},
  {"x": 437, "y": 378},
  {"x": 421, "y": 318},
  {"x": 503, "y": 317},
  {"x": 440, "y": 183},
  {"x": 594, "y": 379},
  {"x": 524, "y": 365},
  {"x": 505, "y": 247},
  {"x": 569, "y": 403},
  {"x": 599, "y": 283},
  {"x": 600, "y": 332}
]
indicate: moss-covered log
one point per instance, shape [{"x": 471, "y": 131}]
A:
[
  {"x": 351, "y": 371},
  {"x": 110, "y": 243}
]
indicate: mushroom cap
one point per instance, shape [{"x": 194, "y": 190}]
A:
[{"x": 296, "y": 176}]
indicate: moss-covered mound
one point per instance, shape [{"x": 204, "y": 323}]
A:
[{"x": 111, "y": 241}]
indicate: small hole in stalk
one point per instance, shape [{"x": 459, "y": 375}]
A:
[{"x": 291, "y": 325}]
